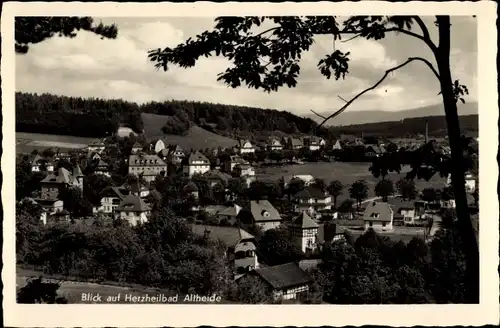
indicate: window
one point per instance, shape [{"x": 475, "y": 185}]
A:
[
  {"x": 370, "y": 223},
  {"x": 383, "y": 224}
]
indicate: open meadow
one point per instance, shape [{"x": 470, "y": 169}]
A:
[
  {"x": 196, "y": 138},
  {"x": 347, "y": 173},
  {"x": 27, "y": 142}
]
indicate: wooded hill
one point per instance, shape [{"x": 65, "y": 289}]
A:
[{"x": 409, "y": 127}]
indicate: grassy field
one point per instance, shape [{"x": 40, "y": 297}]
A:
[
  {"x": 27, "y": 142},
  {"x": 196, "y": 138},
  {"x": 346, "y": 173}
]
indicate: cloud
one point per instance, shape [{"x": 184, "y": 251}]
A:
[{"x": 88, "y": 66}]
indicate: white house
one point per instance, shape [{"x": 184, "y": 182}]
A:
[
  {"x": 245, "y": 147},
  {"x": 303, "y": 231},
  {"x": 312, "y": 200},
  {"x": 306, "y": 178},
  {"x": 378, "y": 216},
  {"x": 39, "y": 164},
  {"x": 110, "y": 200},
  {"x": 196, "y": 163},
  {"x": 137, "y": 147},
  {"x": 470, "y": 182},
  {"x": 274, "y": 144},
  {"x": 312, "y": 143},
  {"x": 97, "y": 146},
  {"x": 133, "y": 209}
]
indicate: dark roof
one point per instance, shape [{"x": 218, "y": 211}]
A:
[
  {"x": 311, "y": 192},
  {"x": 327, "y": 231},
  {"x": 303, "y": 221},
  {"x": 230, "y": 236},
  {"x": 284, "y": 275},
  {"x": 190, "y": 187},
  {"x": 133, "y": 203}
]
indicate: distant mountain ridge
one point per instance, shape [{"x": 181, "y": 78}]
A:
[{"x": 350, "y": 117}]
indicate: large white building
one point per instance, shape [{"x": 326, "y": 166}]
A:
[
  {"x": 147, "y": 166},
  {"x": 196, "y": 163}
]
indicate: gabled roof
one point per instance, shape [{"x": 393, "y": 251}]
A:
[
  {"x": 311, "y": 192},
  {"x": 327, "y": 231},
  {"x": 284, "y": 275},
  {"x": 297, "y": 142},
  {"x": 230, "y": 236},
  {"x": 137, "y": 145},
  {"x": 61, "y": 176},
  {"x": 102, "y": 164},
  {"x": 230, "y": 211},
  {"x": 135, "y": 186},
  {"x": 190, "y": 187},
  {"x": 133, "y": 203},
  {"x": 197, "y": 157},
  {"x": 242, "y": 142},
  {"x": 263, "y": 210},
  {"x": 113, "y": 192},
  {"x": 378, "y": 211},
  {"x": 175, "y": 148},
  {"x": 217, "y": 175},
  {"x": 304, "y": 221}
]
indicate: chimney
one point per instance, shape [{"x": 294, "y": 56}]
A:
[{"x": 426, "y": 131}]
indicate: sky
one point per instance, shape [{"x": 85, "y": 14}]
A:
[{"x": 88, "y": 66}]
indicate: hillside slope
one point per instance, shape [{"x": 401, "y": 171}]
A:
[
  {"x": 412, "y": 126},
  {"x": 197, "y": 137},
  {"x": 354, "y": 116}
]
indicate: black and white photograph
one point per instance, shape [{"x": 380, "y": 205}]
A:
[{"x": 250, "y": 158}]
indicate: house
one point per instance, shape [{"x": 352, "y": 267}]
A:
[
  {"x": 147, "y": 166},
  {"x": 49, "y": 207},
  {"x": 303, "y": 231},
  {"x": 124, "y": 131},
  {"x": 261, "y": 213},
  {"x": 405, "y": 212},
  {"x": 312, "y": 143},
  {"x": 39, "y": 164},
  {"x": 292, "y": 143},
  {"x": 96, "y": 146},
  {"x": 329, "y": 233},
  {"x": 378, "y": 216},
  {"x": 274, "y": 144},
  {"x": 110, "y": 200},
  {"x": 372, "y": 151},
  {"x": 230, "y": 213},
  {"x": 335, "y": 145},
  {"x": 245, "y": 147},
  {"x": 191, "y": 189},
  {"x": 312, "y": 200},
  {"x": 93, "y": 156},
  {"x": 287, "y": 281},
  {"x": 243, "y": 170},
  {"x": 57, "y": 181},
  {"x": 241, "y": 249},
  {"x": 136, "y": 148},
  {"x": 102, "y": 168},
  {"x": 215, "y": 177},
  {"x": 175, "y": 154},
  {"x": 308, "y": 179},
  {"x": 133, "y": 209},
  {"x": 136, "y": 188},
  {"x": 157, "y": 146},
  {"x": 196, "y": 163},
  {"x": 470, "y": 182},
  {"x": 229, "y": 162}
]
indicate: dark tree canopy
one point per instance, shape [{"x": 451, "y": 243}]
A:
[{"x": 32, "y": 30}]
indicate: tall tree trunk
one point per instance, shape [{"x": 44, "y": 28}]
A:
[{"x": 470, "y": 243}]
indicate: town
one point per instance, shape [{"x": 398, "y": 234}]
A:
[{"x": 274, "y": 232}]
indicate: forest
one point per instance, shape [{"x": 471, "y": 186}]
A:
[
  {"x": 409, "y": 127},
  {"x": 74, "y": 116}
]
